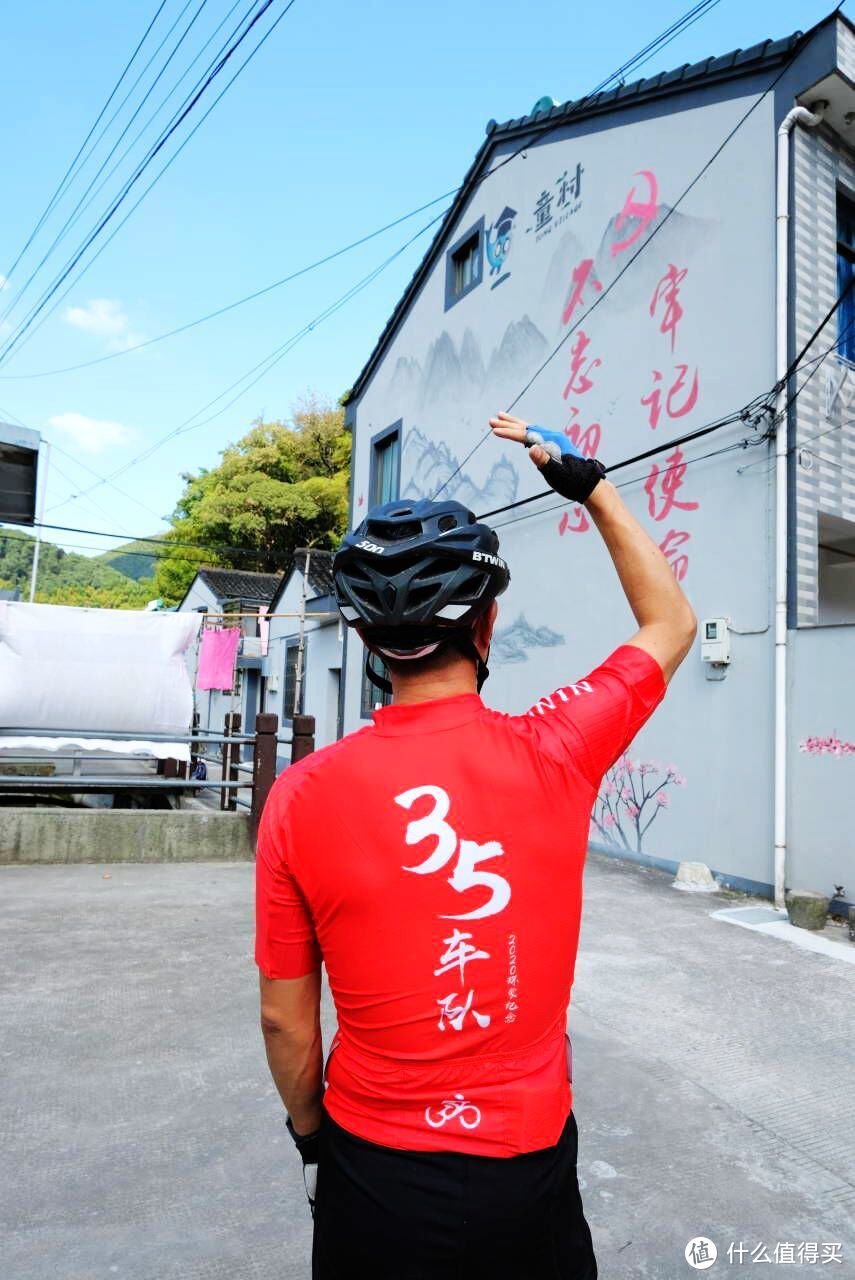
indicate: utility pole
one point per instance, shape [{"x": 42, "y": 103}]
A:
[
  {"x": 301, "y": 647},
  {"x": 42, "y": 483}
]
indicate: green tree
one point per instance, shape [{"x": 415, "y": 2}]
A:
[{"x": 280, "y": 487}]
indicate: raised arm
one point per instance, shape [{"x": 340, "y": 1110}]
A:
[{"x": 666, "y": 622}]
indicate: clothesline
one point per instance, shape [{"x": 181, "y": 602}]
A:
[{"x": 264, "y": 617}]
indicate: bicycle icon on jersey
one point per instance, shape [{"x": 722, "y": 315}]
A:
[{"x": 455, "y": 1108}]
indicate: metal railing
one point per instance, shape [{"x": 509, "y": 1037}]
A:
[{"x": 170, "y": 775}]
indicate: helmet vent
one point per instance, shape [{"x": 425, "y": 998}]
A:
[
  {"x": 447, "y": 522},
  {"x": 395, "y": 532}
]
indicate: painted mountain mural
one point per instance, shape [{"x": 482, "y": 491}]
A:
[
  {"x": 453, "y": 378},
  {"x": 514, "y": 643},
  {"x": 427, "y": 464}
]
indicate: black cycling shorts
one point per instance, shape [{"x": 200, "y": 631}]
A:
[{"x": 414, "y": 1215}]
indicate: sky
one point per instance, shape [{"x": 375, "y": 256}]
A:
[{"x": 351, "y": 115}]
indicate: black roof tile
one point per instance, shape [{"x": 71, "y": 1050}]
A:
[{"x": 239, "y": 584}]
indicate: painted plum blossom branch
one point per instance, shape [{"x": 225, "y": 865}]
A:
[
  {"x": 827, "y": 747},
  {"x": 631, "y": 795}
]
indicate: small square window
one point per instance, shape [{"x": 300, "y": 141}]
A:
[{"x": 464, "y": 265}]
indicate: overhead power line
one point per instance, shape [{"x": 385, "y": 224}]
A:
[
  {"x": 221, "y": 63},
  {"x": 258, "y": 371},
  {"x": 601, "y": 297},
  {"x": 66, "y": 177},
  {"x": 78, "y": 208},
  {"x": 753, "y": 410},
  {"x": 617, "y": 76},
  {"x": 239, "y": 302}
]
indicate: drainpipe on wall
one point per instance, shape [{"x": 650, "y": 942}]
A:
[{"x": 798, "y": 115}]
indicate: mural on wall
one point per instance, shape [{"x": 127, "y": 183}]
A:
[
  {"x": 429, "y": 465},
  {"x": 827, "y": 747},
  {"x": 632, "y": 795},
  {"x": 497, "y": 244},
  {"x": 515, "y": 642},
  {"x": 453, "y": 379}
]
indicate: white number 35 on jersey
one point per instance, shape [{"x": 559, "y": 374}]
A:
[{"x": 466, "y": 874}]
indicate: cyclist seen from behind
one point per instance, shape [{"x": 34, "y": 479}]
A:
[{"x": 433, "y": 862}]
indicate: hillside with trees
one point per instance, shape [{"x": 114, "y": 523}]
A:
[
  {"x": 281, "y": 486},
  {"x": 66, "y": 577}
]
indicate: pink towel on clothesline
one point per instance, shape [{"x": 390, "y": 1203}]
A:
[{"x": 217, "y": 659}]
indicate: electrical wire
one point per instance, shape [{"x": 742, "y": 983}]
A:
[
  {"x": 675, "y": 29},
  {"x": 214, "y": 68},
  {"x": 15, "y": 338},
  {"x": 67, "y": 175},
  {"x": 688, "y": 462},
  {"x": 263, "y": 366},
  {"x": 239, "y": 302},
  {"x": 81, "y": 206},
  {"x": 759, "y": 405},
  {"x": 601, "y": 297}
]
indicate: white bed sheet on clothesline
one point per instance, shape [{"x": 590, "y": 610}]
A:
[{"x": 71, "y": 670}]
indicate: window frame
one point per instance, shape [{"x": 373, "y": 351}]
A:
[
  {"x": 452, "y": 296},
  {"x": 369, "y": 696},
  {"x": 379, "y": 443},
  {"x": 292, "y": 646},
  {"x": 845, "y": 250}
]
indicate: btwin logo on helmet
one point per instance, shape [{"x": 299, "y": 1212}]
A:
[
  {"x": 490, "y": 559},
  {"x": 365, "y": 545}
]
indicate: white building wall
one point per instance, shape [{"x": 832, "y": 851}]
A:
[
  {"x": 322, "y": 659},
  {"x": 447, "y": 370}
]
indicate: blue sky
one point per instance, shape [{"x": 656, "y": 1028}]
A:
[{"x": 351, "y": 115}]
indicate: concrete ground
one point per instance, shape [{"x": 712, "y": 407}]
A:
[{"x": 142, "y": 1139}]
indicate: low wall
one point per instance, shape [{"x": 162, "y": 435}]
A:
[{"x": 123, "y": 835}]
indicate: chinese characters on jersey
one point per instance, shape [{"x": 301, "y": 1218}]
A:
[{"x": 458, "y": 950}]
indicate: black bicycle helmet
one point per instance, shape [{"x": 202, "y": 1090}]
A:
[{"x": 414, "y": 576}]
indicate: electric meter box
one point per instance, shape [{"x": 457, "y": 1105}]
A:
[{"x": 715, "y": 641}]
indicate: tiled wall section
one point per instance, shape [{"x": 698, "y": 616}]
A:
[
  {"x": 825, "y": 410},
  {"x": 846, "y": 50}
]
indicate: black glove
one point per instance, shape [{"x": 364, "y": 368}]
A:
[
  {"x": 308, "y": 1146},
  {"x": 568, "y": 471}
]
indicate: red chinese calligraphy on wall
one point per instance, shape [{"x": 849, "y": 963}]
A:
[
  {"x": 677, "y": 404},
  {"x": 578, "y": 523},
  {"x": 579, "y": 280},
  {"x": 587, "y": 441},
  {"x": 581, "y": 367},
  {"x": 662, "y": 485},
  {"x": 667, "y": 295},
  {"x": 642, "y": 211},
  {"x": 669, "y": 546}
]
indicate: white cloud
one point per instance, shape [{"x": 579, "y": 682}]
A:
[
  {"x": 104, "y": 318},
  {"x": 92, "y": 435},
  {"x": 4, "y": 283}
]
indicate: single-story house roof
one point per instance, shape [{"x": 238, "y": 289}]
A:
[
  {"x": 320, "y": 573},
  {"x": 239, "y": 584},
  {"x": 546, "y": 118}
]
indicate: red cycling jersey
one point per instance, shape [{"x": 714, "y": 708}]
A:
[{"x": 434, "y": 862}]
